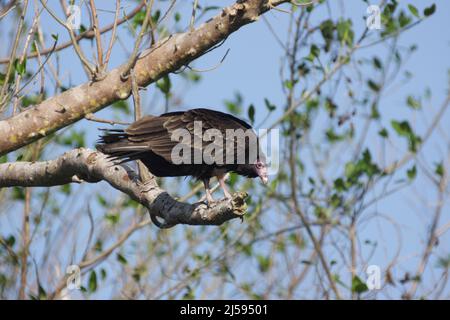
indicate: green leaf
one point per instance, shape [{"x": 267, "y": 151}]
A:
[
  {"x": 350, "y": 170},
  {"x": 74, "y": 139},
  {"x": 103, "y": 274},
  {"x": 403, "y": 19},
  {"x": 251, "y": 113},
  {"x": 315, "y": 51},
  {"x": 113, "y": 218},
  {"x": 404, "y": 129},
  {"x": 41, "y": 292},
  {"x": 82, "y": 29},
  {"x": 102, "y": 201},
  {"x": 364, "y": 166},
  {"x": 383, "y": 132},
  {"x": 439, "y": 169},
  {"x": 330, "y": 106},
  {"x": 20, "y": 68},
  {"x": 413, "y": 10},
  {"x": 296, "y": 239},
  {"x": 413, "y": 102},
  {"x": 312, "y": 104},
  {"x": 235, "y": 105},
  {"x": 322, "y": 213},
  {"x": 18, "y": 193},
  {"x": 337, "y": 279},
  {"x": 373, "y": 85},
  {"x": 92, "y": 285},
  {"x": 377, "y": 63},
  {"x": 430, "y": 10},
  {"x": 10, "y": 241},
  {"x": 345, "y": 32},
  {"x": 121, "y": 259},
  {"x": 164, "y": 85},
  {"x": 189, "y": 294},
  {"x": 327, "y": 30},
  {"x": 358, "y": 286},
  {"x": 264, "y": 263},
  {"x": 335, "y": 201},
  {"x": 332, "y": 136},
  {"x": 245, "y": 248},
  {"x": 55, "y": 36},
  {"x": 339, "y": 185},
  {"x": 121, "y": 105},
  {"x": 374, "y": 113},
  {"x": 138, "y": 19},
  {"x": 303, "y": 69},
  {"x": 193, "y": 76},
  {"x": 288, "y": 84},
  {"x": 269, "y": 106},
  {"x": 155, "y": 17},
  {"x": 30, "y": 100},
  {"x": 412, "y": 173},
  {"x": 444, "y": 262},
  {"x": 65, "y": 188}
]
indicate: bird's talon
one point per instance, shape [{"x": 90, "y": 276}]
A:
[
  {"x": 210, "y": 204},
  {"x": 227, "y": 196}
]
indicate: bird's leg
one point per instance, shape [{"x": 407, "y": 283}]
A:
[
  {"x": 222, "y": 184},
  {"x": 209, "y": 197}
]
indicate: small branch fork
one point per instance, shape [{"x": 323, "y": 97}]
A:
[{"x": 85, "y": 165}]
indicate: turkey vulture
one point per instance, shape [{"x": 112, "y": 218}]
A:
[{"x": 155, "y": 140}]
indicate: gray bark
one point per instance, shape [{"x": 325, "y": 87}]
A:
[{"x": 85, "y": 165}]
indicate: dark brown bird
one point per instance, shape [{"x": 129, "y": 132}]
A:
[{"x": 178, "y": 144}]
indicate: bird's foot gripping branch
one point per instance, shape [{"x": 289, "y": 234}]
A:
[
  {"x": 86, "y": 165},
  {"x": 200, "y": 213}
]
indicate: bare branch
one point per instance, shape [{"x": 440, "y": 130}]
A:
[
  {"x": 13, "y": 53},
  {"x": 98, "y": 39},
  {"x": 134, "y": 56},
  {"x": 85, "y": 165},
  {"x": 77, "y": 48},
  {"x": 113, "y": 35},
  {"x": 88, "y": 34}
]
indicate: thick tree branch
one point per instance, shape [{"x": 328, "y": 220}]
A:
[
  {"x": 162, "y": 58},
  {"x": 92, "y": 166}
]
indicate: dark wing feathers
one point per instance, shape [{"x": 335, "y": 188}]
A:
[{"x": 152, "y": 133}]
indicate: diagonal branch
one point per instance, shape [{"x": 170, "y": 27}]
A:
[
  {"x": 85, "y": 165},
  {"x": 166, "y": 56}
]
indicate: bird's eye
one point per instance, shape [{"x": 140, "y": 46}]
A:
[{"x": 259, "y": 165}]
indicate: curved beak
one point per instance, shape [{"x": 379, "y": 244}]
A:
[
  {"x": 264, "y": 179},
  {"x": 261, "y": 171}
]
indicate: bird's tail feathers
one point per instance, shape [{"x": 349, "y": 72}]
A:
[{"x": 115, "y": 144}]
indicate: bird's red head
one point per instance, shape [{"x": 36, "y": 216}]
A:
[{"x": 261, "y": 170}]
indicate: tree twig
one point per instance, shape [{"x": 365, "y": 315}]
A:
[
  {"x": 134, "y": 55},
  {"x": 98, "y": 39},
  {"x": 88, "y": 34},
  {"x": 85, "y": 62}
]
